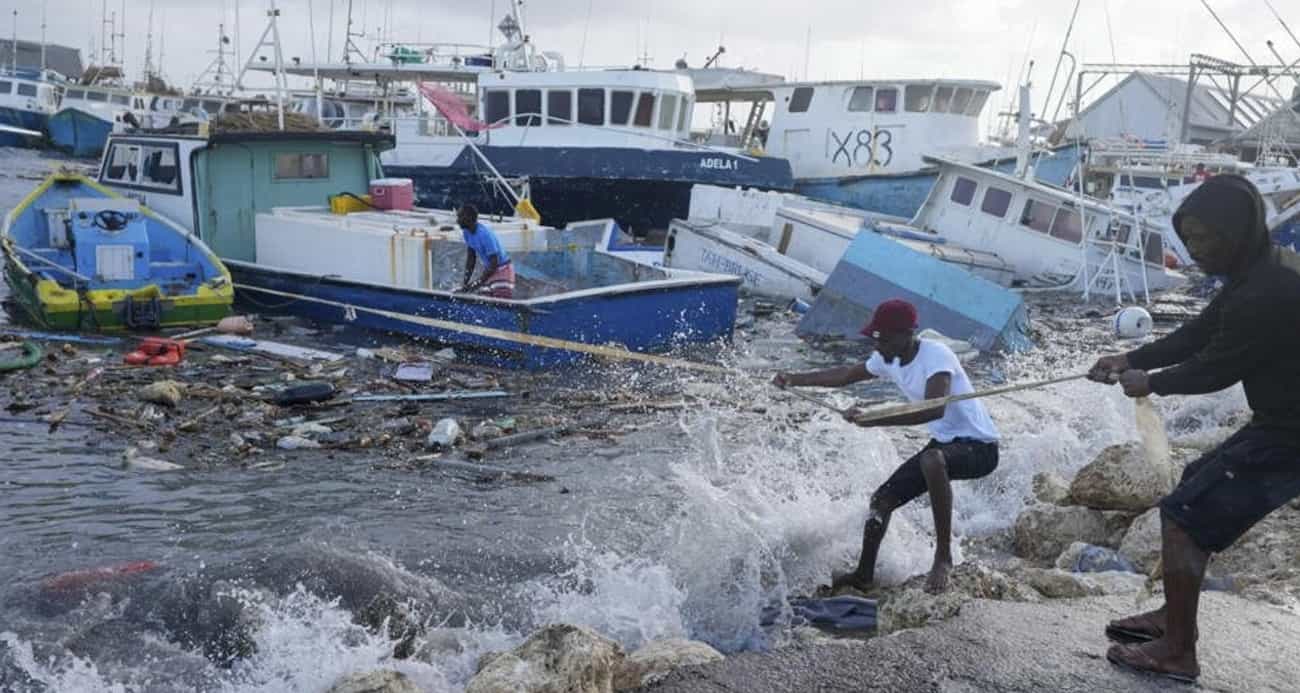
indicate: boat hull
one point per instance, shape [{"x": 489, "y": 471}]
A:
[
  {"x": 713, "y": 247},
  {"x": 657, "y": 317},
  {"x": 28, "y": 120},
  {"x": 641, "y": 189},
  {"x": 79, "y": 133}
]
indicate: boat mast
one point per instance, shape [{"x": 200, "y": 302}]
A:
[
  {"x": 43, "y": 62},
  {"x": 13, "y": 47},
  {"x": 148, "y": 48},
  {"x": 273, "y": 32}
]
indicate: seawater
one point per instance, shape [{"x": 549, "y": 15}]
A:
[{"x": 687, "y": 527}]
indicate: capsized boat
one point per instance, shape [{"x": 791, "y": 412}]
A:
[{"x": 79, "y": 257}]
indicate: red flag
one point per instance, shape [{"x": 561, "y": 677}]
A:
[{"x": 453, "y": 108}]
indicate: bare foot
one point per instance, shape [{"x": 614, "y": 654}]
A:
[
  {"x": 937, "y": 581},
  {"x": 851, "y": 580}
]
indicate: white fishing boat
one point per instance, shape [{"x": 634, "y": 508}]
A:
[{"x": 743, "y": 251}]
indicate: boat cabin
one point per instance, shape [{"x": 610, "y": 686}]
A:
[
  {"x": 1050, "y": 236},
  {"x": 26, "y": 91},
  {"x": 851, "y": 128},
  {"x": 215, "y": 186}
]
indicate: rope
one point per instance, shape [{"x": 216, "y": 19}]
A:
[{"x": 928, "y": 404}]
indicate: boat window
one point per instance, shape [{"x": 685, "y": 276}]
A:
[
  {"x": 528, "y": 107},
  {"x": 497, "y": 109},
  {"x": 212, "y": 106},
  {"x": 26, "y": 89},
  {"x": 1122, "y": 233},
  {"x": 645, "y": 110},
  {"x": 6, "y": 87},
  {"x": 886, "y": 100},
  {"x": 1037, "y": 215},
  {"x": 942, "y": 99},
  {"x": 963, "y": 191},
  {"x": 801, "y": 99},
  {"x": 122, "y": 165},
  {"x": 1067, "y": 226},
  {"x": 190, "y": 104},
  {"x": 667, "y": 111},
  {"x": 297, "y": 166},
  {"x": 159, "y": 167},
  {"x": 620, "y": 107},
  {"x": 996, "y": 202},
  {"x": 860, "y": 101},
  {"x": 682, "y": 116},
  {"x": 1154, "y": 249},
  {"x": 96, "y": 96},
  {"x": 122, "y": 99},
  {"x": 977, "y": 103},
  {"x": 916, "y": 98},
  {"x": 1148, "y": 182},
  {"x": 591, "y": 106},
  {"x": 74, "y": 94},
  {"x": 559, "y": 106},
  {"x": 961, "y": 99}
]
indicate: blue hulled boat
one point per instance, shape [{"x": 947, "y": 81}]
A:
[{"x": 27, "y": 98}]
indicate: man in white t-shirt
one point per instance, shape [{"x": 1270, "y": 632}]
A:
[{"x": 964, "y": 444}]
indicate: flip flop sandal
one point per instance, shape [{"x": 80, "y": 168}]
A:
[
  {"x": 1136, "y": 661},
  {"x": 1127, "y": 636}
]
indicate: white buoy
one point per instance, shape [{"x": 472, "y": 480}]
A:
[{"x": 1133, "y": 323}]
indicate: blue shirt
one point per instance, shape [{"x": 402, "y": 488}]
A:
[{"x": 485, "y": 244}]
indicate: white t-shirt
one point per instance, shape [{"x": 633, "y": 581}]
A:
[{"x": 966, "y": 419}]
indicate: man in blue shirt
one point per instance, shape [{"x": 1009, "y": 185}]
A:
[{"x": 498, "y": 277}]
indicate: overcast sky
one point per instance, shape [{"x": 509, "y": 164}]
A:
[{"x": 824, "y": 39}]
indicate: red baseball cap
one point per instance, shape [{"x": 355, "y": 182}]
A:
[{"x": 894, "y": 315}]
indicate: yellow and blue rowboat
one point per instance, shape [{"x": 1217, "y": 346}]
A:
[{"x": 79, "y": 256}]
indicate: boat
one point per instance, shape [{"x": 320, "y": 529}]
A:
[
  {"x": 80, "y": 257},
  {"x": 580, "y": 143},
  {"x": 261, "y": 200},
  {"x": 88, "y": 114},
  {"x": 863, "y": 143},
  {"x": 784, "y": 246},
  {"x": 27, "y": 99}
]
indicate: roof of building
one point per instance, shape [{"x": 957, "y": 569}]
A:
[
  {"x": 62, "y": 59},
  {"x": 1210, "y": 101}
]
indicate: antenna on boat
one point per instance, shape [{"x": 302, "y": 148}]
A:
[
  {"x": 1065, "y": 53},
  {"x": 315, "y": 64},
  {"x": 1024, "y": 121},
  {"x": 217, "y": 77},
  {"x": 270, "y": 39},
  {"x": 44, "y": 3},
  {"x": 148, "y": 47},
  {"x": 13, "y": 48}
]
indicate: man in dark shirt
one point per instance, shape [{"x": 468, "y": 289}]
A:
[{"x": 1248, "y": 334}]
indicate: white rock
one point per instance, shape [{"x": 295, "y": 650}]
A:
[
  {"x": 555, "y": 659},
  {"x": 382, "y": 681},
  {"x": 1050, "y": 488},
  {"x": 311, "y": 429},
  {"x": 164, "y": 392},
  {"x": 1121, "y": 478},
  {"x": 1062, "y": 584},
  {"x": 1141, "y": 543},
  {"x": 445, "y": 433},
  {"x": 1042, "y": 532},
  {"x": 296, "y": 443},
  {"x": 657, "y": 658}
]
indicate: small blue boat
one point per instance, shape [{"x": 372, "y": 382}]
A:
[{"x": 79, "y": 133}]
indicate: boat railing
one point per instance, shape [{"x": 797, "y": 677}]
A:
[{"x": 675, "y": 141}]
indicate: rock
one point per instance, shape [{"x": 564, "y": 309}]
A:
[
  {"x": 311, "y": 429},
  {"x": 1141, "y": 543},
  {"x": 382, "y": 681},
  {"x": 555, "y": 659},
  {"x": 1121, "y": 478},
  {"x": 386, "y": 612},
  {"x": 445, "y": 433},
  {"x": 1051, "y": 489},
  {"x": 296, "y": 443},
  {"x": 1269, "y": 547},
  {"x": 1060, "y": 584},
  {"x": 131, "y": 459},
  {"x": 1042, "y": 532},
  {"x": 164, "y": 392},
  {"x": 911, "y": 606},
  {"x": 1117, "y": 523},
  {"x": 656, "y": 658}
]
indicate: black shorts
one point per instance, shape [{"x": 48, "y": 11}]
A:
[
  {"x": 966, "y": 458},
  {"x": 1234, "y": 486}
]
